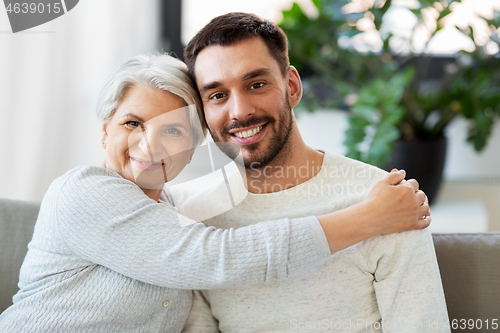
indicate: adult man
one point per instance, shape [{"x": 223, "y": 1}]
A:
[{"x": 390, "y": 282}]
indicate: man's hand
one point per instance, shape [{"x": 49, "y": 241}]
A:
[{"x": 397, "y": 205}]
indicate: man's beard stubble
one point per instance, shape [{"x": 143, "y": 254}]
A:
[{"x": 256, "y": 161}]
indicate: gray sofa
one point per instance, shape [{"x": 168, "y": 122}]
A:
[
  {"x": 17, "y": 221},
  {"x": 469, "y": 264}
]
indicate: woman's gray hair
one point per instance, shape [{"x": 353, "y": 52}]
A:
[{"x": 159, "y": 71}]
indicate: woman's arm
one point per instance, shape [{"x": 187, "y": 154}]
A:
[{"x": 108, "y": 220}]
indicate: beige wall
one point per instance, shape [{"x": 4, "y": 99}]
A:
[
  {"x": 50, "y": 77},
  {"x": 469, "y": 177},
  {"x": 486, "y": 192}
]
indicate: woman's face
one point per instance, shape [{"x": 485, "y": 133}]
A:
[{"x": 149, "y": 139}]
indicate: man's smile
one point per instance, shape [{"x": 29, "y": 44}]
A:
[{"x": 249, "y": 135}]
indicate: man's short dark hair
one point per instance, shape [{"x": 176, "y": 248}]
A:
[{"x": 232, "y": 28}]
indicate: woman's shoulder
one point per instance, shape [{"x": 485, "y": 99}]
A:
[
  {"x": 88, "y": 174},
  {"x": 89, "y": 193},
  {"x": 84, "y": 171},
  {"x": 88, "y": 181}
]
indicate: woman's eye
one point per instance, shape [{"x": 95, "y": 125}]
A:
[
  {"x": 132, "y": 124},
  {"x": 173, "y": 132},
  {"x": 256, "y": 85}
]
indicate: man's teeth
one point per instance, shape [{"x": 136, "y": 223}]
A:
[{"x": 249, "y": 133}]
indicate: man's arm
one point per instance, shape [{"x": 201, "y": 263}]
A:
[
  {"x": 407, "y": 282},
  {"x": 393, "y": 205},
  {"x": 200, "y": 319}
]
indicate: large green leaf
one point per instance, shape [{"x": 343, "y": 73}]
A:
[
  {"x": 382, "y": 145},
  {"x": 479, "y": 130}
]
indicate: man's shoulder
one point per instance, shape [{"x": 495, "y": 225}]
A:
[
  {"x": 411, "y": 237},
  {"x": 396, "y": 244},
  {"x": 347, "y": 178},
  {"x": 340, "y": 166}
]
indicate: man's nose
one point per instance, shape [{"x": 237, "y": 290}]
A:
[{"x": 240, "y": 107}]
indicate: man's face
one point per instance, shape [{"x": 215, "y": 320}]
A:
[{"x": 246, "y": 99}]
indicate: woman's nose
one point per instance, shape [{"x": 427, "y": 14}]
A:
[{"x": 151, "y": 145}]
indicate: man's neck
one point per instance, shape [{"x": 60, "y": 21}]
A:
[{"x": 295, "y": 164}]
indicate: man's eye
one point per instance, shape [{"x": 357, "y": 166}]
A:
[
  {"x": 256, "y": 85},
  {"x": 217, "y": 96}
]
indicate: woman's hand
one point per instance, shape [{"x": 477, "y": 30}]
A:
[
  {"x": 393, "y": 205},
  {"x": 397, "y": 205}
]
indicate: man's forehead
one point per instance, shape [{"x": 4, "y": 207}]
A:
[{"x": 217, "y": 62}]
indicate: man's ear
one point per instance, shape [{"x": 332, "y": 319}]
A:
[{"x": 294, "y": 86}]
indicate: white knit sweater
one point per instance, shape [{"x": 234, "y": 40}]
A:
[
  {"x": 388, "y": 283},
  {"x": 107, "y": 258}
]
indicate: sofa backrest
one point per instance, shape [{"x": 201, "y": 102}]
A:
[
  {"x": 470, "y": 271},
  {"x": 17, "y": 220}
]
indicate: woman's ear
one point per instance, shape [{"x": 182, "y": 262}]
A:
[
  {"x": 191, "y": 155},
  {"x": 294, "y": 86},
  {"x": 104, "y": 134}
]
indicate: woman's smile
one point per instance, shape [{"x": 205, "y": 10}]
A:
[{"x": 146, "y": 165}]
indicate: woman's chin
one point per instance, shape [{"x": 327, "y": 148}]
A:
[{"x": 154, "y": 179}]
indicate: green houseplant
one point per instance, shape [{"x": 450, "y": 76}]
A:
[{"x": 386, "y": 90}]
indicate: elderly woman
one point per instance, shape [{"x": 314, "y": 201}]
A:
[{"x": 109, "y": 253}]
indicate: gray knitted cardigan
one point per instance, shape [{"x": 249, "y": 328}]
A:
[{"x": 106, "y": 258}]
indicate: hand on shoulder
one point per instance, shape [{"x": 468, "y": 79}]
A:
[{"x": 396, "y": 205}]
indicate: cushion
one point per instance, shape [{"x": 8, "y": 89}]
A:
[
  {"x": 17, "y": 220},
  {"x": 470, "y": 271}
]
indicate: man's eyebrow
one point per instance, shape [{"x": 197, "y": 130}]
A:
[
  {"x": 250, "y": 75},
  {"x": 210, "y": 86},
  {"x": 131, "y": 115},
  {"x": 256, "y": 73}
]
